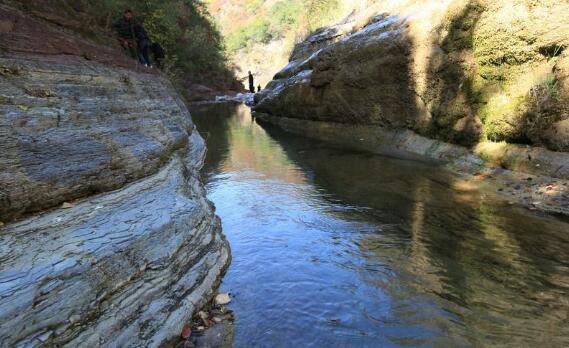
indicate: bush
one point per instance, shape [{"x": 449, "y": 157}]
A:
[
  {"x": 193, "y": 44},
  {"x": 277, "y": 21},
  {"x": 256, "y": 32}
]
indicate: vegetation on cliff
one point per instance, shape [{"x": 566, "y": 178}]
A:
[
  {"x": 466, "y": 71},
  {"x": 257, "y": 29},
  {"x": 193, "y": 44},
  {"x": 508, "y": 61}
]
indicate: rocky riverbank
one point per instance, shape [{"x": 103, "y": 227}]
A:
[
  {"x": 107, "y": 238},
  {"x": 420, "y": 83}
]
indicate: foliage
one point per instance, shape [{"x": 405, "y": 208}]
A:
[
  {"x": 278, "y": 20},
  {"x": 257, "y": 32},
  {"x": 285, "y": 13},
  {"x": 193, "y": 44},
  {"x": 319, "y": 12}
]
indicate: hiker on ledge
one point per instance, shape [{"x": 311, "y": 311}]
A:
[
  {"x": 158, "y": 54},
  {"x": 133, "y": 37},
  {"x": 251, "y": 83},
  {"x": 143, "y": 43}
]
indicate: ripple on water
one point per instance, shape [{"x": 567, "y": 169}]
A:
[{"x": 339, "y": 248}]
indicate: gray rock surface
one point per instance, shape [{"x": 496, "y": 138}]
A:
[
  {"x": 391, "y": 78},
  {"x": 138, "y": 247},
  {"x": 403, "y": 84}
]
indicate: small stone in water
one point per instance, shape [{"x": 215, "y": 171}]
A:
[
  {"x": 222, "y": 299},
  {"x": 205, "y": 318},
  {"x": 66, "y": 205}
]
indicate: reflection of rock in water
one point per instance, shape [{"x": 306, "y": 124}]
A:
[
  {"x": 234, "y": 139},
  {"x": 482, "y": 259}
]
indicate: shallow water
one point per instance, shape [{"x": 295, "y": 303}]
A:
[{"x": 335, "y": 248}]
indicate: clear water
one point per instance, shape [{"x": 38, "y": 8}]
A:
[{"x": 334, "y": 248}]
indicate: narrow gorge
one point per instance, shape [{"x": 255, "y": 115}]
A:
[{"x": 399, "y": 177}]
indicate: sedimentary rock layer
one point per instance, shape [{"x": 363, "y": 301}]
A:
[{"x": 109, "y": 239}]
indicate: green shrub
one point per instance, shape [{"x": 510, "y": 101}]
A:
[
  {"x": 193, "y": 44},
  {"x": 285, "y": 13},
  {"x": 259, "y": 31}
]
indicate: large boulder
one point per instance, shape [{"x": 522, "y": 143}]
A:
[
  {"x": 456, "y": 71},
  {"x": 107, "y": 238}
]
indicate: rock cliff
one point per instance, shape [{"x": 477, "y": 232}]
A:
[
  {"x": 460, "y": 71},
  {"x": 473, "y": 82},
  {"x": 107, "y": 238}
]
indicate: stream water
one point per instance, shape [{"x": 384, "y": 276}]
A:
[{"x": 336, "y": 248}]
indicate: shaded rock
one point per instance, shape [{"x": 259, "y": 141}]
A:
[
  {"x": 557, "y": 136},
  {"x": 457, "y": 71}
]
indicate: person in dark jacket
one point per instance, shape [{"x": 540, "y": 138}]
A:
[
  {"x": 158, "y": 54},
  {"x": 251, "y": 83},
  {"x": 133, "y": 37},
  {"x": 143, "y": 43},
  {"x": 125, "y": 31}
]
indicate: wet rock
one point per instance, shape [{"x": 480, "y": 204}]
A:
[
  {"x": 222, "y": 299},
  {"x": 218, "y": 336},
  {"x": 245, "y": 98}
]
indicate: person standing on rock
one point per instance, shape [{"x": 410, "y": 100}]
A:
[
  {"x": 143, "y": 43},
  {"x": 133, "y": 37},
  {"x": 258, "y": 88},
  {"x": 158, "y": 54},
  {"x": 251, "y": 83},
  {"x": 125, "y": 31}
]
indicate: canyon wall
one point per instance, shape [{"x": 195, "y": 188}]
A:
[
  {"x": 489, "y": 76},
  {"x": 106, "y": 235}
]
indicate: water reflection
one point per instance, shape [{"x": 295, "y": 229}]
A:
[{"x": 340, "y": 248}]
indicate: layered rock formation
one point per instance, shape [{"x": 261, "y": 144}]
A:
[
  {"x": 471, "y": 82},
  {"x": 459, "y": 71},
  {"x": 435, "y": 69},
  {"x": 108, "y": 238}
]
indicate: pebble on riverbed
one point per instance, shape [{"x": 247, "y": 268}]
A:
[
  {"x": 222, "y": 299},
  {"x": 211, "y": 327},
  {"x": 536, "y": 193}
]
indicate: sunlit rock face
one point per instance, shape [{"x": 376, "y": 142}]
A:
[
  {"x": 362, "y": 78},
  {"x": 107, "y": 238},
  {"x": 459, "y": 71}
]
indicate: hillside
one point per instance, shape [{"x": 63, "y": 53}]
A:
[
  {"x": 260, "y": 35},
  {"x": 195, "y": 57}
]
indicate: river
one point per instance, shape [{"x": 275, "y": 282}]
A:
[{"x": 338, "y": 248}]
